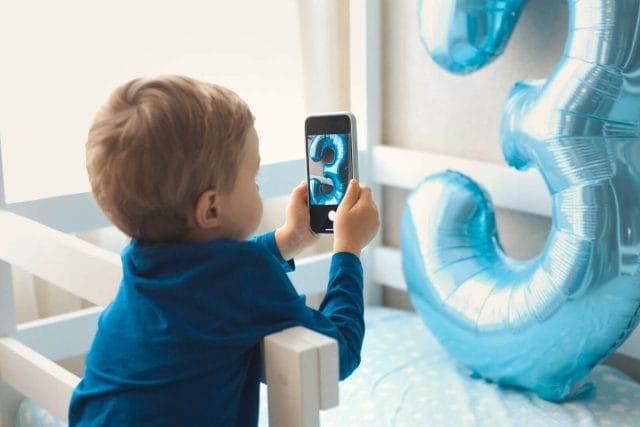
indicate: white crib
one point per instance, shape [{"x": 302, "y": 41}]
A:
[{"x": 301, "y": 367}]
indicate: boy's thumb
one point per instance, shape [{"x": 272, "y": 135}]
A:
[
  {"x": 299, "y": 193},
  {"x": 353, "y": 192}
]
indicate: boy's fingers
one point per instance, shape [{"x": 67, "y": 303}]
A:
[
  {"x": 299, "y": 193},
  {"x": 301, "y": 188},
  {"x": 299, "y": 196},
  {"x": 366, "y": 198},
  {"x": 352, "y": 195},
  {"x": 365, "y": 192}
]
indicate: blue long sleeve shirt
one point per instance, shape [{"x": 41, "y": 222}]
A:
[{"x": 179, "y": 345}]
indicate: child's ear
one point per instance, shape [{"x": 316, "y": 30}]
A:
[{"x": 207, "y": 210}]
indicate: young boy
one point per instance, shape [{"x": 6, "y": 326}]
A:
[{"x": 172, "y": 162}]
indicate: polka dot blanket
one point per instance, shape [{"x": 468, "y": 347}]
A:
[{"x": 406, "y": 379}]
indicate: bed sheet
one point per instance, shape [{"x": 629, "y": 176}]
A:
[{"x": 407, "y": 379}]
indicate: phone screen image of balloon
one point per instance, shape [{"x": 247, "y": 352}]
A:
[{"x": 329, "y": 167}]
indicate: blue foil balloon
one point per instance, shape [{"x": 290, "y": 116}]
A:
[
  {"x": 463, "y": 36},
  {"x": 543, "y": 324}
]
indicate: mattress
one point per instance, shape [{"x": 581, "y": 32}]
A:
[{"x": 407, "y": 379}]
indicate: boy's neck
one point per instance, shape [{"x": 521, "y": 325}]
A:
[{"x": 200, "y": 235}]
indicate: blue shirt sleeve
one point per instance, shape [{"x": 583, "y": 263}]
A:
[
  {"x": 343, "y": 304},
  {"x": 268, "y": 242},
  {"x": 276, "y": 305}
]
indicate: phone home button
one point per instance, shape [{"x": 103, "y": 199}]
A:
[{"x": 331, "y": 215}]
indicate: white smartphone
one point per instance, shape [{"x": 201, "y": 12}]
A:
[{"x": 332, "y": 161}]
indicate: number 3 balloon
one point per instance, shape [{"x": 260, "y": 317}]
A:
[{"x": 541, "y": 324}]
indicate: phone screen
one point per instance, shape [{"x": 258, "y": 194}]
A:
[{"x": 330, "y": 165}]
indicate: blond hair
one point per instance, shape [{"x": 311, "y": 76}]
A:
[{"x": 156, "y": 145}]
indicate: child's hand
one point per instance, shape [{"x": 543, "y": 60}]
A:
[
  {"x": 357, "y": 220},
  {"x": 296, "y": 234}
]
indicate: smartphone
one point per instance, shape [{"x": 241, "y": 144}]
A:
[{"x": 332, "y": 161}]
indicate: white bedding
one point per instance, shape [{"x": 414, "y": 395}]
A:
[{"x": 407, "y": 379}]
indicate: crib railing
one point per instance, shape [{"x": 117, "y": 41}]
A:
[
  {"x": 395, "y": 167},
  {"x": 382, "y": 165},
  {"x": 301, "y": 366}
]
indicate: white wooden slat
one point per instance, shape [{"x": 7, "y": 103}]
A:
[
  {"x": 359, "y": 75},
  {"x": 63, "y": 212},
  {"x": 36, "y": 377},
  {"x": 328, "y": 363},
  {"x": 311, "y": 274},
  {"x": 292, "y": 393},
  {"x": 325, "y": 46},
  {"x": 7, "y": 305},
  {"x": 509, "y": 188},
  {"x": 366, "y": 81},
  {"x": 301, "y": 371},
  {"x": 81, "y": 268},
  {"x": 631, "y": 346},
  {"x": 43, "y": 335},
  {"x": 387, "y": 267},
  {"x": 24, "y": 292},
  {"x": 279, "y": 178}
]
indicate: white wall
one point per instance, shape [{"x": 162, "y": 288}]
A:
[{"x": 61, "y": 59}]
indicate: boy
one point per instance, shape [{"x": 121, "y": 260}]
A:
[{"x": 172, "y": 162}]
